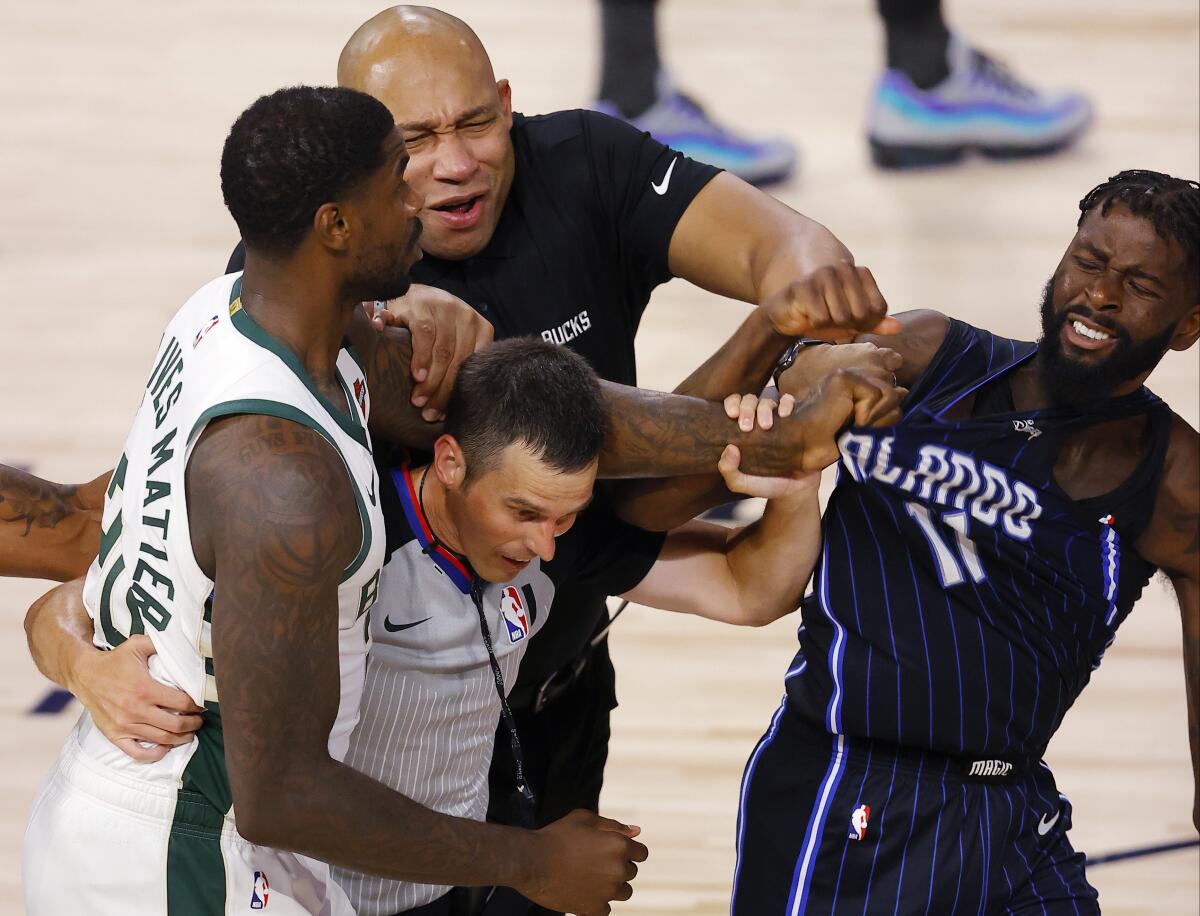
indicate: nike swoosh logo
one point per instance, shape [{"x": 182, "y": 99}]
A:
[
  {"x": 661, "y": 189},
  {"x": 1045, "y": 825},
  {"x": 397, "y": 627}
]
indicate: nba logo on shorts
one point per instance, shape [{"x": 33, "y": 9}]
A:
[
  {"x": 261, "y": 891},
  {"x": 858, "y": 822},
  {"x": 512, "y": 609}
]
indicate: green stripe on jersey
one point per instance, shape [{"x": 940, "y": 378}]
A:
[{"x": 255, "y": 333}]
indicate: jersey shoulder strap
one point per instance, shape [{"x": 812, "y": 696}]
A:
[{"x": 967, "y": 355}]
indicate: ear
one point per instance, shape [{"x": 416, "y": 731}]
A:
[
  {"x": 330, "y": 227},
  {"x": 1187, "y": 330},
  {"x": 504, "y": 90},
  {"x": 449, "y": 463}
]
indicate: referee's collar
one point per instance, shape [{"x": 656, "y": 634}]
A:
[{"x": 446, "y": 561}]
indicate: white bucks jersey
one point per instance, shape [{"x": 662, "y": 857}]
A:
[{"x": 215, "y": 361}]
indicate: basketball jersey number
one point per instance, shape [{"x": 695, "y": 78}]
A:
[{"x": 950, "y": 569}]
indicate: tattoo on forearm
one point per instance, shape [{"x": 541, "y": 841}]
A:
[
  {"x": 389, "y": 375},
  {"x": 32, "y": 502},
  {"x": 660, "y": 435}
]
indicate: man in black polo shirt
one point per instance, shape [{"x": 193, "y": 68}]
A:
[{"x": 561, "y": 226}]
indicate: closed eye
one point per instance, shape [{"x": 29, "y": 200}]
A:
[{"x": 1143, "y": 291}]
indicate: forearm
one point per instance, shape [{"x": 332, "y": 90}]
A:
[
  {"x": 651, "y": 434},
  {"x": 351, "y": 820},
  {"x": 387, "y": 354},
  {"x": 47, "y": 530},
  {"x": 742, "y": 365},
  {"x": 59, "y": 633},
  {"x": 799, "y": 249},
  {"x": 771, "y": 560},
  {"x": 738, "y": 242}
]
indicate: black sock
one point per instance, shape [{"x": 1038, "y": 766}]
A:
[
  {"x": 917, "y": 39},
  {"x": 629, "y": 54}
]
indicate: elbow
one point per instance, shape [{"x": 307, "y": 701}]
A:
[
  {"x": 272, "y": 803},
  {"x": 766, "y": 614},
  {"x": 31, "y": 617},
  {"x": 265, "y": 808},
  {"x": 262, "y": 817}
]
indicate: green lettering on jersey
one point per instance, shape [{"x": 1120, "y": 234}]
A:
[
  {"x": 160, "y": 523},
  {"x": 162, "y": 452},
  {"x": 112, "y": 635},
  {"x": 170, "y": 352},
  {"x": 144, "y": 605},
  {"x": 156, "y": 489},
  {"x": 117, "y": 481},
  {"x": 113, "y": 534},
  {"x": 162, "y": 410},
  {"x": 370, "y": 591},
  {"x": 153, "y": 551},
  {"x": 109, "y": 538}
]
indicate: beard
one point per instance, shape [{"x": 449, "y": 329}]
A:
[
  {"x": 384, "y": 273},
  {"x": 1070, "y": 381}
]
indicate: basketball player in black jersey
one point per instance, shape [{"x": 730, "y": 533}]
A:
[{"x": 978, "y": 558}]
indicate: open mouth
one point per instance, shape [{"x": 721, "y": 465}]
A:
[
  {"x": 512, "y": 561},
  {"x": 1085, "y": 335},
  {"x": 461, "y": 213}
]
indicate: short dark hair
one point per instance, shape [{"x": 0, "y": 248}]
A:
[
  {"x": 294, "y": 150},
  {"x": 527, "y": 390},
  {"x": 1172, "y": 205}
]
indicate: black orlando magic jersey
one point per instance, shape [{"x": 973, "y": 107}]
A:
[{"x": 962, "y": 598}]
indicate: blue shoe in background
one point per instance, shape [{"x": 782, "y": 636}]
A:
[
  {"x": 979, "y": 106},
  {"x": 682, "y": 124}
]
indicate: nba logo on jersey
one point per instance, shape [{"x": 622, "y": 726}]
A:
[
  {"x": 212, "y": 323},
  {"x": 260, "y": 892},
  {"x": 858, "y": 822},
  {"x": 512, "y": 609}
]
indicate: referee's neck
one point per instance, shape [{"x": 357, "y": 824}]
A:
[{"x": 433, "y": 493}]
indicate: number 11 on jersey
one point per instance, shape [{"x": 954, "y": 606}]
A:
[{"x": 950, "y": 570}]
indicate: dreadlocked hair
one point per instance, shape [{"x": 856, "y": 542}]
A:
[{"x": 1171, "y": 204}]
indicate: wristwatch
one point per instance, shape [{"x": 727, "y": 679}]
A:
[{"x": 789, "y": 356}]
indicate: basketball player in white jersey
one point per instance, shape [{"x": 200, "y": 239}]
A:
[{"x": 248, "y": 476}]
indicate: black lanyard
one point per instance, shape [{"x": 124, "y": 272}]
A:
[{"x": 528, "y": 803}]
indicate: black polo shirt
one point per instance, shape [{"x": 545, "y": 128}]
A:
[
  {"x": 580, "y": 245},
  {"x": 583, "y": 238}
]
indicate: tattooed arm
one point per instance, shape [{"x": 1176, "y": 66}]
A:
[
  {"x": 1172, "y": 543},
  {"x": 386, "y": 355},
  {"x": 274, "y": 526},
  {"x": 48, "y": 530},
  {"x": 829, "y": 298}
]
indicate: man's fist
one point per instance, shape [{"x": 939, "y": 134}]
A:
[
  {"x": 582, "y": 862},
  {"x": 835, "y": 302}
]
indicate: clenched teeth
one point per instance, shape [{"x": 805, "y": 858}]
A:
[{"x": 1084, "y": 331}]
